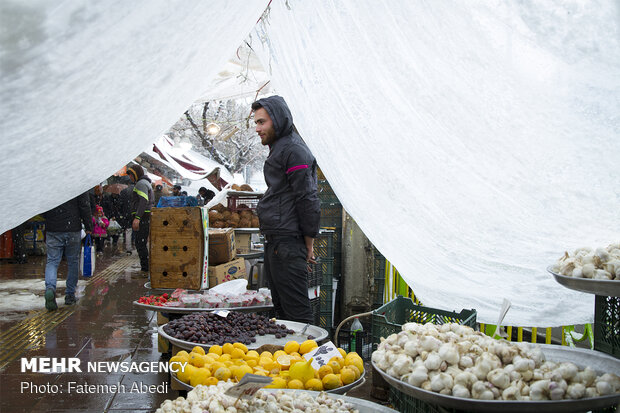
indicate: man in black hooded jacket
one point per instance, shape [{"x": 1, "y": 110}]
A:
[{"x": 289, "y": 212}]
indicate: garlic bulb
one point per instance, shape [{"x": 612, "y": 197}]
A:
[{"x": 601, "y": 264}]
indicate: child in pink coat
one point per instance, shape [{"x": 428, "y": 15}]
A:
[{"x": 100, "y": 225}]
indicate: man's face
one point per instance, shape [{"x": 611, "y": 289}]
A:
[
  {"x": 176, "y": 191},
  {"x": 264, "y": 126}
]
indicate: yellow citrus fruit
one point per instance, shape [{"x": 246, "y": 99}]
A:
[
  {"x": 355, "y": 361},
  {"x": 291, "y": 346},
  {"x": 252, "y": 363},
  {"x": 266, "y": 354},
  {"x": 314, "y": 384},
  {"x": 223, "y": 374},
  {"x": 307, "y": 346},
  {"x": 216, "y": 349},
  {"x": 260, "y": 373},
  {"x": 211, "y": 381},
  {"x": 251, "y": 355},
  {"x": 216, "y": 365},
  {"x": 200, "y": 376},
  {"x": 237, "y": 353},
  {"x": 183, "y": 353},
  {"x": 228, "y": 363},
  {"x": 279, "y": 353},
  {"x": 340, "y": 360},
  {"x": 178, "y": 359},
  {"x": 296, "y": 355},
  {"x": 285, "y": 375},
  {"x": 267, "y": 363},
  {"x": 331, "y": 381},
  {"x": 224, "y": 357},
  {"x": 199, "y": 350},
  {"x": 227, "y": 348},
  {"x": 277, "y": 383},
  {"x": 347, "y": 375},
  {"x": 357, "y": 372},
  {"x": 239, "y": 362},
  {"x": 196, "y": 359},
  {"x": 325, "y": 370},
  {"x": 241, "y": 371},
  {"x": 212, "y": 356},
  {"x": 352, "y": 355},
  {"x": 342, "y": 352},
  {"x": 184, "y": 374},
  {"x": 295, "y": 384},
  {"x": 284, "y": 361},
  {"x": 241, "y": 346},
  {"x": 335, "y": 366}
]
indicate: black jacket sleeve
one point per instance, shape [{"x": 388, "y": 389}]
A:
[
  {"x": 85, "y": 213},
  {"x": 301, "y": 175}
]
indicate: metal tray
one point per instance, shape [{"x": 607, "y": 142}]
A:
[
  {"x": 182, "y": 310},
  {"x": 318, "y": 333},
  {"x": 600, "y": 362},
  {"x": 599, "y": 287},
  {"x": 339, "y": 390}
]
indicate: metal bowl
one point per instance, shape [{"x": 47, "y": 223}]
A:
[
  {"x": 339, "y": 390},
  {"x": 587, "y": 285},
  {"x": 600, "y": 362},
  {"x": 318, "y": 333}
]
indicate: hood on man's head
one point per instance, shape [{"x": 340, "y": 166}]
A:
[
  {"x": 279, "y": 113},
  {"x": 136, "y": 171}
]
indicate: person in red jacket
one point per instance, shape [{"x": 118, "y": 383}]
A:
[{"x": 100, "y": 229}]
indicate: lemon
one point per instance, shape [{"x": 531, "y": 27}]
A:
[
  {"x": 183, "y": 353},
  {"x": 200, "y": 376},
  {"x": 179, "y": 359},
  {"x": 223, "y": 374},
  {"x": 212, "y": 356},
  {"x": 237, "y": 353},
  {"x": 216, "y": 365},
  {"x": 184, "y": 374},
  {"x": 347, "y": 375},
  {"x": 314, "y": 384},
  {"x": 291, "y": 346},
  {"x": 216, "y": 349},
  {"x": 279, "y": 353},
  {"x": 355, "y": 370},
  {"x": 252, "y": 355},
  {"x": 197, "y": 360},
  {"x": 352, "y": 354},
  {"x": 199, "y": 350},
  {"x": 325, "y": 370},
  {"x": 284, "y": 361},
  {"x": 266, "y": 354},
  {"x": 307, "y": 346},
  {"x": 355, "y": 361},
  {"x": 295, "y": 384},
  {"x": 302, "y": 371},
  {"x": 267, "y": 363},
  {"x": 260, "y": 373},
  {"x": 224, "y": 357},
  {"x": 211, "y": 381},
  {"x": 335, "y": 366},
  {"x": 277, "y": 383},
  {"x": 296, "y": 354},
  {"x": 340, "y": 360},
  {"x": 227, "y": 348},
  {"x": 241, "y": 347},
  {"x": 331, "y": 381},
  {"x": 342, "y": 352},
  {"x": 239, "y": 362},
  {"x": 252, "y": 363},
  {"x": 241, "y": 371}
]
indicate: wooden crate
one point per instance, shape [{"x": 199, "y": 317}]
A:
[{"x": 177, "y": 242}]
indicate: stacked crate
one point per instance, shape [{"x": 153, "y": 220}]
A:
[{"x": 331, "y": 218}]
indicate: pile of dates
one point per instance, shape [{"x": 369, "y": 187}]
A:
[{"x": 210, "y": 328}]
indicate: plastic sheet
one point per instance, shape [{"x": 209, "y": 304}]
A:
[{"x": 473, "y": 143}]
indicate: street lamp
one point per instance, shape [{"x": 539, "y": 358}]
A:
[{"x": 213, "y": 129}]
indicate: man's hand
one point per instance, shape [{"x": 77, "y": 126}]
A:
[
  {"x": 135, "y": 225},
  {"x": 310, "y": 258}
]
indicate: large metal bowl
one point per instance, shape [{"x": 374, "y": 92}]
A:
[
  {"x": 183, "y": 310},
  {"x": 318, "y": 333},
  {"x": 587, "y": 285},
  {"x": 600, "y": 362},
  {"x": 339, "y": 390}
]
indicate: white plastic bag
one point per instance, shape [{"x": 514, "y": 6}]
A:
[{"x": 232, "y": 287}]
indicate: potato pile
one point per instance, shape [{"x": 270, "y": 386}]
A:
[{"x": 222, "y": 217}]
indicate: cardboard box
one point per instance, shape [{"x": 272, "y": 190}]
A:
[
  {"x": 243, "y": 242},
  {"x": 226, "y": 272},
  {"x": 221, "y": 246}
]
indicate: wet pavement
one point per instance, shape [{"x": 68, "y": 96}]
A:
[{"x": 103, "y": 327}]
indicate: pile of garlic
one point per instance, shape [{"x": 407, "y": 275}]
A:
[
  {"x": 212, "y": 399},
  {"x": 599, "y": 264},
  {"x": 455, "y": 360}
]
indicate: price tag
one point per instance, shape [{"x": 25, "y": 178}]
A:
[
  {"x": 322, "y": 354},
  {"x": 248, "y": 386},
  {"x": 221, "y": 313}
]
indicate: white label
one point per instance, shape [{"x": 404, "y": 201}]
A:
[
  {"x": 221, "y": 313},
  {"x": 322, "y": 354},
  {"x": 248, "y": 386}
]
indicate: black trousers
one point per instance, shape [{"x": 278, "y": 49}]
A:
[
  {"x": 287, "y": 273},
  {"x": 142, "y": 239}
]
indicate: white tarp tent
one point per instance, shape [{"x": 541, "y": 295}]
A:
[{"x": 472, "y": 142}]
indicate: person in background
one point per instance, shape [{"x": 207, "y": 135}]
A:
[
  {"x": 100, "y": 225},
  {"x": 141, "y": 203},
  {"x": 125, "y": 217},
  {"x": 176, "y": 190},
  {"x": 204, "y": 196},
  {"x": 289, "y": 212},
  {"x": 96, "y": 198},
  {"x": 158, "y": 193},
  {"x": 63, "y": 226}
]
